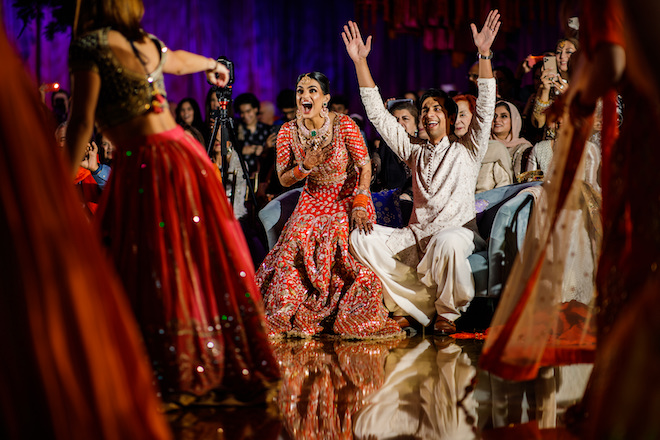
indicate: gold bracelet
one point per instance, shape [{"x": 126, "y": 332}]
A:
[{"x": 542, "y": 104}]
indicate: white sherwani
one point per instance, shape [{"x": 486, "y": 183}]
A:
[{"x": 424, "y": 267}]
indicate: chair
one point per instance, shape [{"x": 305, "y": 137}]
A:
[{"x": 503, "y": 224}]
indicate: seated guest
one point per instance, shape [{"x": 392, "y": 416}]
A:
[
  {"x": 508, "y": 87},
  {"x": 91, "y": 177},
  {"x": 106, "y": 149},
  {"x": 472, "y": 77},
  {"x": 507, "y": 124},
  {"x": 339, "y": 104},
  {"x": 187, "y": 113},
  {"x": 554, "y": 83},
  {"x": 543, "y": 152},
  {"x": 495, "y": 168},
  {"x": 393, "y": 172},
  {"x": 286, "y": 104},
  {"x": 251, "y": 134},
  {"x": 413, "y": 95},
  {"x": 424, "y": 267},
  {"x": 529, "y": 131},
  {"x": 266, "y": 113},
  {"x": 269, "y": 185}
]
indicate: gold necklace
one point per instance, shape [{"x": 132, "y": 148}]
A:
[{"x": 314, "y": 137}]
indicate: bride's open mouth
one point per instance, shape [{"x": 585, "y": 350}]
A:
[{"x": 307, "y": 107}]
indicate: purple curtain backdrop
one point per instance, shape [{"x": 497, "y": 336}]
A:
[{"x": 272, "y": 42}]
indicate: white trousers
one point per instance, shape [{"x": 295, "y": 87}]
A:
[{"x": 441, "y": 283}]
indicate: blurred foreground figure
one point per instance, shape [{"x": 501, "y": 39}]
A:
[
  {"x": 73, "y": 364},
  {"x": 179, "y": 251}
]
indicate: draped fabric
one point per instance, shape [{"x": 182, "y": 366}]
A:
[
  {"x": 186, "y": 268},
  {"x": 620, "y": 397},
  {"x": 546, "y": 313},
  {"x": 73, "y": 364}
]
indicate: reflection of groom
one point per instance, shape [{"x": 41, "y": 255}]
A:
[
  {"x": 419, "y": 397},
  {"x": 424, "y": 267}
]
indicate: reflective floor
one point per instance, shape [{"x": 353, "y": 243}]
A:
[{"x": 424, "y": 387}]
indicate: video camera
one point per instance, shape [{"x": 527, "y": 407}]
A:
[{"x": 230, "y": 66}]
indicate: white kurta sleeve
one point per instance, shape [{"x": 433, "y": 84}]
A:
[
  {"x": 482, "y": 121},
  {"x": 391, "y": 131}
]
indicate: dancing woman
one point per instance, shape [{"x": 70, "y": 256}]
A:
[
  {"x": 310, "y": 282},
  {"x": 169, "y": 228},
  {"x": 73, "y": 364}
]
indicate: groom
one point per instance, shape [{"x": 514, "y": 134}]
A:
[{"x": 423, "y": 267}]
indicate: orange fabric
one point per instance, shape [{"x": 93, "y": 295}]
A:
[
  {"x": 73, "y": 366},
  {"x": 601, "y": 22},
  {"x": 531, "y": 326},
  {"x": 82, "y": 174}
]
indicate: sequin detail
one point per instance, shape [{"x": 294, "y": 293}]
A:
[
  {"x": 124, "y": 94},
  {"x": 200, "y": 329}
]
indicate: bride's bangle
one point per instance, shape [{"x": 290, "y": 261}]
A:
[
  {"x": 299, "y": 172},
  {"x": 303, "y": 169}
]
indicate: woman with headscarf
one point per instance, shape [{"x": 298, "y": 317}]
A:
[
  {"x": 495, "y": 168},
  {"x": 506, "y": 129}
]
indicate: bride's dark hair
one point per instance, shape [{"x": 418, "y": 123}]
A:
[{"x": 318, "y": 76}]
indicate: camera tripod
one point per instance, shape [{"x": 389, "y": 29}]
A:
[{"x": 225, "y": 124}]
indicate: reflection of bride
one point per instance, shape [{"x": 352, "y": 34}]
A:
[
  {"x": 324, "y": 383},
  {"x": 419, "y": 398}
]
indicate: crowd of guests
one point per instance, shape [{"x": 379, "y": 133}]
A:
[
  {"x": 519, "y": 148},
  {"x": 520, "y": 125}
]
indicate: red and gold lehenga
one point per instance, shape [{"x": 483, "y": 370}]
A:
[
  {"x": 310, "y": 282},
  {"x": 176, "y": 245},
  {"x": 326, "y": 383},
  {"x": 186, "y": 268},
  {"x": 73, "y": 365}
]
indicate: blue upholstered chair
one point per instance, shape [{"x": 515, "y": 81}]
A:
[{"x": 502, "y": 222}]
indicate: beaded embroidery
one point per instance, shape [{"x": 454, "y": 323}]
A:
[{"x": 125, "y": 94}]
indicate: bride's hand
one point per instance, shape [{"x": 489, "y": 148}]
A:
[{"x": 360, "y": 220}]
